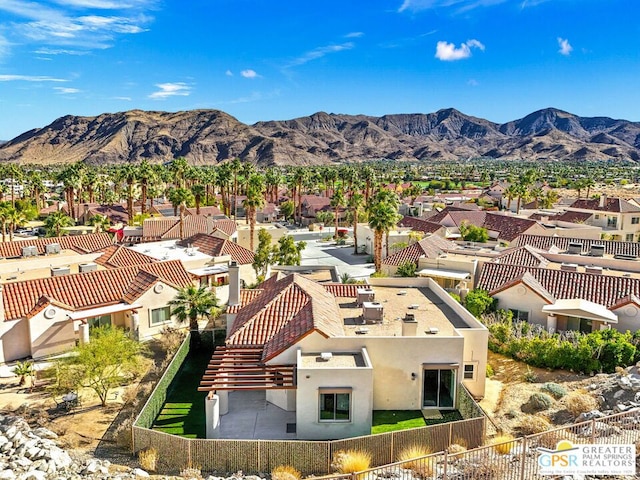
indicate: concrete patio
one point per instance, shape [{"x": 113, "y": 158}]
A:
[{"x": 252, "y": 417}]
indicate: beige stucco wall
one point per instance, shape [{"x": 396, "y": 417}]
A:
[
  {"x": 48, "y": 336},
  {"x": 151, "y": 300},
  {"x": 520, "y": 297},
  {"x": 310, "y": 380},
  {"x": 14, "y": 340},
  {"x": 628, "y": 318}
]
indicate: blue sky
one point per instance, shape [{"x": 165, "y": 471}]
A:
[{"x": 275, "y": 60}]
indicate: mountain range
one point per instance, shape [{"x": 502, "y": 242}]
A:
[{"x": 212, "y": 136}]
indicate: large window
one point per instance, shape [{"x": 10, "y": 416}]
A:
[
  {"x": 101, "y": 321},
  {"x": 160, "y": 315},
  {"x": 335, "y": 405},
  {"x": 635, "y": 220},
  {"x": 439, "y": 388},
  {"x": 519, "y": 315}
]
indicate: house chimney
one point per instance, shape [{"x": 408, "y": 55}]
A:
[
  {"x": 603, "y": 200},
  {"x": 234, "y": 283}
]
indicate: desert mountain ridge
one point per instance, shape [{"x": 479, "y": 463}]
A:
[{"x": 213, "y": 136}]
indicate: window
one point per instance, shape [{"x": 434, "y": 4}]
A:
[
  {"x": 635, "y": 220},
  {"x": 519, "y": 315},
  {"x": 469, "y": 371},
  {"x": 629, "y": 237},
  {"x": 335, "y": 405},
  {"x": 438, "y": 388},
  {"x": 612, "y": 222},
  {"x": 160, "y": 315},
  {"x": 101, "y": 321}
]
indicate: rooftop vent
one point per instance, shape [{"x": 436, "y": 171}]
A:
[
  {"x": 593, "y": 269},
  {"x": 52, "y": 248},
  {"x": 326, "y": 356},
  {"x": 30, "y": 251},
  {"x": 625, "y": 257},
  {"x": 410, "y": 317},
  {"x": 59, "y": 271},
  {"x": 569, "y": 267},
  {"x": 575, "y": 248},
  {"x": 597, "y": 251},
  {"x": 432, "y": 330},
  {"x": 87, "y": 267}
]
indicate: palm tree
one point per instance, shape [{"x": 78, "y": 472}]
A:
[
  {"x": 235, "y": 166},
  {"x": 179, "y": 167},
  {"x": 356, "y": 202},
  {"x": 146, "y": 175},
  {"x": 56, "y": 221},
  {"x": 511, "y": 193},
  {"x": 180, "y": 197},
  {"x": 192, "y": 303},
  {"x": 549, "y": 199},
  {"x": 383, "y": 216},
  {"x": 4, "y": 218},
  {"x": 100, "y": 223},
  {"x": 536, "y": 193},
  {"x": 199, "y": 192},
  {"x": 253, "y": 202},
  {"x": 129, "y": 174},
  {"x": 15, "y": 218},
  {"x": 337, "y": 201}
]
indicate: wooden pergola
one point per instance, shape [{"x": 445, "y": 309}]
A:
[{"x": 241, "y": 368}]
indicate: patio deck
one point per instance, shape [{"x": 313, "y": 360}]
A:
[{"x": 252, "y": 417}]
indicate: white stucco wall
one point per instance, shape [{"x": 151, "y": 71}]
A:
[
  {"x": 151, "y": 300},
  {"x": 48, "y": 336},
  {"x": 358, "y": 380},
  {"x": 14, "y": 340},
  {"x": 520, "y": 297}
]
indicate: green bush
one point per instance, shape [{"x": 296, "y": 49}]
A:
[
  {"x": 556, "y": 391},
  {"x": 478, "y": 302},
  {"x": 538, "y": 402},
  {"x": 406, "y": 269},
  {"x": 489, "y": 371},
  {"x": 455, "y": 296}
]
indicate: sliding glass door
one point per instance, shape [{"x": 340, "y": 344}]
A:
[{"x": 438, "y": 388}]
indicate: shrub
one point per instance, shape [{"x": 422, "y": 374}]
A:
[
  {"x": 285, "y": 472},
  {"x": 478, "y": 302},
  {"x": 351, "y": 461},
  {"x": 411, "y": 456},
  {"x": 503, "y": 444},
  {"x": 406, "y": 269},
  {"x": 556, "y": 391},
  {"x": 455, "y": 296},
  {"x": 579, "y": 402},
  {"x": 532, "y": 424},
  {"x": 490, "y": 372},
  {"x": 530, "y": 376},
  {"x": 148, "y": 459},
  {"x": 191, "y": 473},
  {"x": 537, "y": 402}
]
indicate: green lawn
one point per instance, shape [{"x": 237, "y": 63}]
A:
[
  {"x": 183, "y": 412},
  {"x": 391, "y": 420}
]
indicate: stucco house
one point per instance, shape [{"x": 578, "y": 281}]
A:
[
  {"x": 46, "y": 316},
  {"x": 618, "y": 218},
  {"x": 334, "y": 353}
]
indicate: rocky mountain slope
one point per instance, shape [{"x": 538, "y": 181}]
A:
[{"x": 212, "y": 136}]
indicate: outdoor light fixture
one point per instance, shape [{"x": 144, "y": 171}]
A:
[{"x": 413, "y": 376}]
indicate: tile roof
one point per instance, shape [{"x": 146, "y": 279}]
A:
[
  {"x": 611, "y": 204},
  {"x": 116, "y": 256},
  {"x": 91, "y": 289},
  {"x": 216, "y": 247},
  {"x": 168, "y": 228},
  {"x": 88, "y": 243},
  {"x": 288, "y": 309},
  {"x": 508, "y": 227},
  {"x": 430, "y": 247},
  {"x": 207, "y": 210},
  {"x": 605, "y": 290},
  {"x": 525, "y": 256},
  {"x": 611, "y": 247},
  {"x": 420, "y": 224},
  {"x": 573, "y": 217}
]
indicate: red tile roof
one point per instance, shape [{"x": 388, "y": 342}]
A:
[
  {"x": 116, "y": 256},
  {"x": 430, "y": 247},
  {"x": 611, "y": 247},
  {"x": 91, "y": 289},
  {"x": 287, "y": 310},
  {"x": 420, "y": 224},
  {"x": 610, "y": 204},
  {"x": 524, "y": 256},
  {"x": 605, "y": 290},
  {"x": 168, "y": 228},
  {"x": 216, "y": 247},
  {"x": 88, "y": 243}
]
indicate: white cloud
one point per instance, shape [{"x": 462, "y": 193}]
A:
[
  {"x": 354, "y": 35},
  {"x": 66, "y": 91},
  {"x": 229, "y": 73},
  {"x": 248, "y": 73},
  {"x": 4, "y": 47},
  {"x": 473, "y": 82},
  {"x": 320, "y": 52},
  {"x": 448, "y": 52},
  {"x": 104, "y": 4},
  {"x": 171, "y": 90},
  {"x": 29, "y": 78},
  {"x": 565, "y": 46},
  {"x": 126, "y": 99},
  {"x": 460, "y": 5}
]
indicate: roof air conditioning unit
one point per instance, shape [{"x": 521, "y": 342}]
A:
[
  {"x": 569, "y": 267},
  {"x": 575, "y": 248},
  {"x": 59, "y": 271},
  {"x": 593, "y": 269},
  {"x": 597, "y": 250},
  {"x": 87, "y": 267},
  {"x": 30, "y": 251},
  {"x": 326, "y": 356},
  {"x": 52, "y": 248}
]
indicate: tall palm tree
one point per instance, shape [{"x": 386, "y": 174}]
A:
[
  {"x": 383, "y": 216},
  {"x": 145, "y": 175},
  {"x": 337, "y": 201},
  {"x": 56, "y": 221},
  {"x": 4, "y": 218},
  {"x": 129, "y": 175},
  {"x": 100, "y": 223},
  {"x": 253, "y": 202},
  {"x": 192, "y": 303},
  {"x": 180, "y": 198},
  {"x": 356, "y": 202},
  {"x": 15, "y": 218},
  {"x": 235, "y": 166},
  {"x": 199, "y": 192},
  {"x": 223, "y": 180}
]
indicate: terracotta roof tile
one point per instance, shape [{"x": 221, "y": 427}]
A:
[
  {"x": 88, "y": 243},
  {"x": 611, "y": 204},
  {"x": 605, "y": 290},
  {"x": 611, "y": 247},
  {"x": 116, "y": 256},
  {"x": 420, "y": 224},
  {"x": 430, "y": 247},
  {"x": 525, "y": 256},
  {"x": 216, "y": 247},
  {"x": 90, "y": 289}
]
